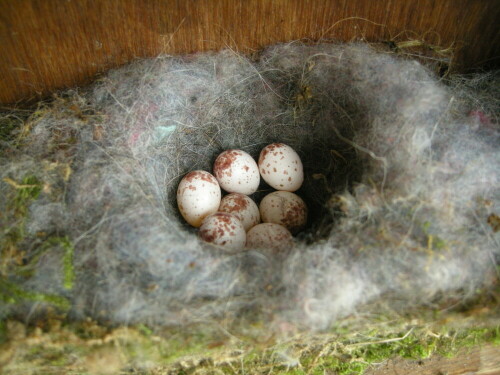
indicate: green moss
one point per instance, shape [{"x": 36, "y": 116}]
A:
[
  {"x": 420, "y": 345},
  {"x": 452, "y": 341},
  {"x": 346, "y": 368},
  {"x": 11, "y": 294},
  {"x": 291, "y": 372},
  {"x": 68, "y": 269},
  {"x": 25, "y": 192},
  {"x": 7, "y": 126},
  {"x": 55, "y": 356},
  {"x": 346, "y": 354},
  {"x": 352, "y": 352},
  {"x": 180, "y": 346},
  {"x": 434, "y": 242},
  {"x": 145, "y": 330},
  {"x": 3, "y": 332},
  {"x": 495, "y": 336},
  {"x": 28, "y": 190}
]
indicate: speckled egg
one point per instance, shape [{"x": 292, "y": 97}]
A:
[
  {"x": 284, "y": 208},
  {"x": 237, "y": 172},
  {"x": 224, "y": 230},
  {"x": 269, "y": 236},
  {"x": 198, "y": 196},
  {"x": 280, "y": 166},
  {"x": 243, "y": 207}
]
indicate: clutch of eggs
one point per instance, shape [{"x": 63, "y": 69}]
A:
[{"x": 233, "y": 222}]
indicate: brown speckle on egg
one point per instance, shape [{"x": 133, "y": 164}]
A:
[
  {"x": 284, "y": 208},
  {"x": 242, "y": 207},
  {"x": 223, "y": 229},
  {"x": 270, "y": 236}
]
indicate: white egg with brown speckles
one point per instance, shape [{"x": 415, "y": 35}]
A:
[
  {"x": 237, "y": 172},
  {"x": 198, "y": 196},
  {"x": 224, "y": 230},
  {"x": 270, "y": 236},
  {"x": 243, "y": 207},
  {"x": 284, "y": 208},
  {"x": 280, "y": 166}
]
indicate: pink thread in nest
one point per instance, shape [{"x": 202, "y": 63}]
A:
[
  {"x": 139, "y": 125},
  {"x": 480, "y": 116}
]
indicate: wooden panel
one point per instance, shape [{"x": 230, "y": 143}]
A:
[{"x": 51, "y": 44}]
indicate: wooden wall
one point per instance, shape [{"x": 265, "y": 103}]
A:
[{"x": 52, "y": 44}]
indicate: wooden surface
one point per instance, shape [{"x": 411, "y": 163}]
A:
[
  {"x": 471, "y": 361},
  {"x": 52, "y": 44}
]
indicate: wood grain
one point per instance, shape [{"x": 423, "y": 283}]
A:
[{"x": 52, "y": 44}]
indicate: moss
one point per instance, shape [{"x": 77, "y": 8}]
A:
[
  {"x": 344, "y": 356},
  {"x": 179, "y": 346},
  {"x": 350, "y": 348},
  {"x": 344, "y": 368},
  {"x": 434, "y": 242},
  {"x": 418, "y": 345},
  {"x": 173, "y": 353},
  {"x": 28, "y": 190},
  {"x": 3, "y": 332},
  {"x": 10, "y": 293},
  {"x": 23, "y": 194},
  {"x": 68, "y": 269},
  {"x": 145, "y": 330},
  {"x": 452, "y": 341},
  {"x": 8, "y": 124},
  {"x": 15, "y": 263},
  {"x": 346, "y": 353}
]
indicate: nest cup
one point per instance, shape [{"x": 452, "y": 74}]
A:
[
  {"x": 330, "y": 167},
  {"x": 399, "y": 180},
  {"x": 304, "y": 117}
]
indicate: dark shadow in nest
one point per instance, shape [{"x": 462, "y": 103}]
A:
[{"x": 325, "y": 130}]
